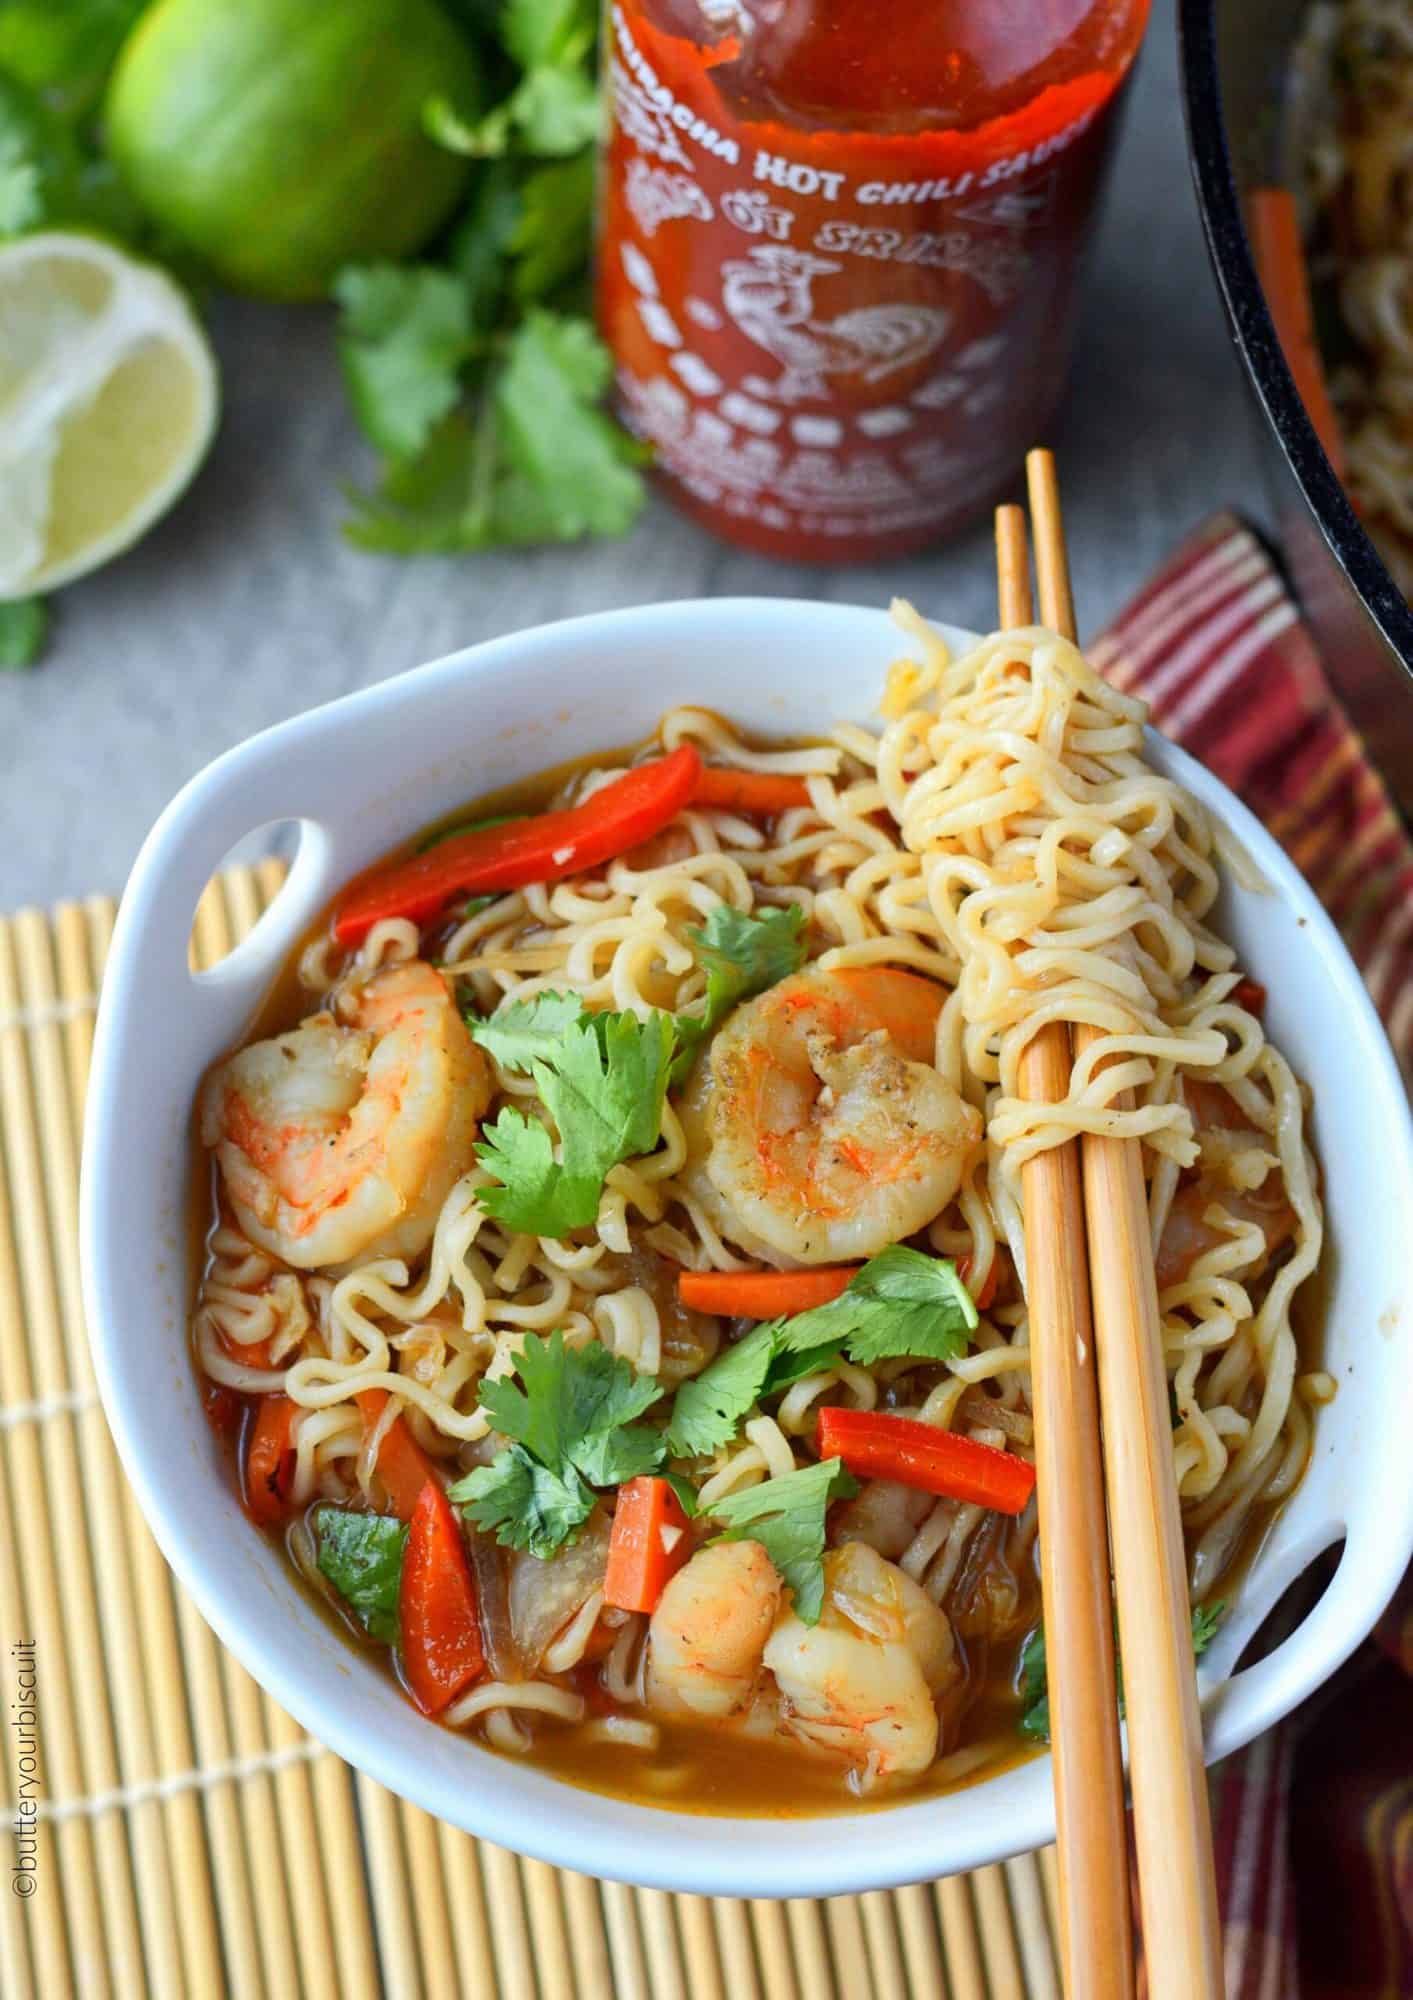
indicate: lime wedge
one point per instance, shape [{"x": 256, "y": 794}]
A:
[{"x": 108, "y": 400}]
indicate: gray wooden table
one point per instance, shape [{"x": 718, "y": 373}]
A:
[{"x": 246, "y": 605}]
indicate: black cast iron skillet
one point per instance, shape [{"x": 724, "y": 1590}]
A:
[{"x": 1235, "y": 66}]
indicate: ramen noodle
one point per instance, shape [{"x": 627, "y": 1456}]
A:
[{"x": 616, "y": 1282}]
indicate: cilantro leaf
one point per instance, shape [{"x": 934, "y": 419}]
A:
[
  {"x": 708, "y": 1408},
  {"x": 536, "y": 461},
  {"x": 792, "y": 1365},
  {"x": 361, "y": 1555},
  {"x": 604, "y": 1086},
  {"x": 686, "y": 1493},
  {"x": 528, "y": 1030},
  {"x": 786, "y": 1516},
  {"x": 743, "y": 954},
  {"x": 404, "y": 333},
  {"x": 572, "y": 1427},
  {"x": 554, "y": 227},
  {"x": 523, "y": 1503},
  {"x": 900, "y": 1303},
  {"x": 23, "y": 624},
  {"x": 536, "y": 1196},
  {"x": 575, "y": 470},
  {"x": 569, "y": 1395},
  {"x": 1032, "y": 1682}
]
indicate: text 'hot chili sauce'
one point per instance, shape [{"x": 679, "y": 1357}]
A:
[{"x": 839, "y": 247}]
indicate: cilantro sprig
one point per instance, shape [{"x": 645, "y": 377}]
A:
[
  {"x": 1033, "y": 1682},
  {"x": 572, "y": 1425},
  {"x": 787, "y": 1517},
  {"x": 900, "y": 1304},
  {"x": 743, "y": 953},
  {"x": 601, "y": 1077}
]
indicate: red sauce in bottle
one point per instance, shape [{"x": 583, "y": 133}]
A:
[{"x": 840, "y": 240}]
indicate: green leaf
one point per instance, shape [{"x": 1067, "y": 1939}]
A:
[
  {"x": 1033, "y": 1687},
  {"x": 708, "y": 1408},
  {"x": 901, "y": 1303},
  {"x": 548, "y": 31},
  {"x": 436, "y": 503},
  {"x": 537, "y": 1196},
  {"x": 430, "y": 840},
  {"x": 523, "y": 1503},
  {"x": 554, "y": 229},
  {"x": 405, "y": 332},
  {"x": 361, "y": 1555},
  {"x": 485, "y": 237},
  {"x": 686, "y": 1493},
  {"x": 572, "y": 1427},
  {"x": 39, "y": 164},
  {"x": 570, "y": 1395},
  {"x": 789, "y": 1367},
  {"x": 573, "y": 468},
  {"x": 743, "y": 954},
  {"x": 528, "y": 1030},
  {"x": 787, "y": 1517},
  {"x": 24, "y": 621},
  {"x": 603, "y": 1083}
]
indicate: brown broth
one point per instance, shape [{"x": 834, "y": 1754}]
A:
[{"x": 700, "y": 1768}]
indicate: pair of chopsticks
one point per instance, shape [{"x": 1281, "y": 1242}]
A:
[{"x": 1087, "y": 1233}]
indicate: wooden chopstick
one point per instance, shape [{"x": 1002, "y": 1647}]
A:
[
  {"x": 1096, "y": 1930},
  {"x": 1172, "y": 1820}
]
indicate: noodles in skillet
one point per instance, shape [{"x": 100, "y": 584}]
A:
[{"x": 816, "y": 1250}]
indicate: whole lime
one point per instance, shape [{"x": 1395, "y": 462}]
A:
[{"x": 279, "y": 139}]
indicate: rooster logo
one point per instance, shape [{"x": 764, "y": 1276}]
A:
[{"x": 768, "y": 294}]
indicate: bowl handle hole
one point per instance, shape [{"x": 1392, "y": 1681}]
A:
[
  {"x": 257, "y": 903},
  {"x": 1293, "y": 1606}
]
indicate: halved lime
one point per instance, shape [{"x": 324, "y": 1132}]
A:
[{"x": 108, "y": 400}]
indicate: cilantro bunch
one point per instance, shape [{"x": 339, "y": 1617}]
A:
[{"x": 478, "y": 375}]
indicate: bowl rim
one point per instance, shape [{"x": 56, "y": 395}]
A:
[
  {"x": 1257, "y": 342},
  {"x": 536, "y": 1814}
]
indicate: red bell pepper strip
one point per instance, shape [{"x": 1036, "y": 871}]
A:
[
  {"x": 403, "y": 1466},
  {"x": 441, "y": 1632},
  {"x": 762, "y": 1294},
  {"x": 543, "y": 848},
  {"x": 269, "y": 1460},
  {"x": 879, "y": 1446},
  {"x": 1250, "y": 994},
  {"x": 649, "y": 1543},
  {"x": 763, "y": 793}
]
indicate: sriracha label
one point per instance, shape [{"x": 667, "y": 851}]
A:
[{"x": 839, "y": 343}]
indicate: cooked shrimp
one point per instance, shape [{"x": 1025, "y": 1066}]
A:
[
  {"x": 340, "y": 1141},
  {"x": 862, "y": 1683},
  {"x": 1238, "y": 1174},
  {"x": 817, "y": 1127},
  {"x": 709, "y": 1631}
]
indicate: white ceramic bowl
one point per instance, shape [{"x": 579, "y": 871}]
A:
[{"x": 364, "y": 774}]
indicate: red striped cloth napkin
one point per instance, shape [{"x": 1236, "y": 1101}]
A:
[{"x": 1313, "y": 1823}]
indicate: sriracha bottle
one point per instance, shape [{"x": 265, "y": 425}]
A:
[{"x": 839, "y": 249}]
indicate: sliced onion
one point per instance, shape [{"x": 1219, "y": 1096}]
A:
[
  {"x": 503, "y": 1656},
  {"x": 544, "y": 1595}
]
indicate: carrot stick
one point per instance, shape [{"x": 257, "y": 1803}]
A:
[
  {"x": 437, "y": 1614},
  {"x": 879, "y": 1446},
  {"x": 649, "y": 1543},
  {"x": 762, "y": 1294},
  {"x": 763, "y": 793},
  {"x": 269, "y": 1460},
  {"x": 403, "y": 1466},
  {"x": 1279, "y": 254}
]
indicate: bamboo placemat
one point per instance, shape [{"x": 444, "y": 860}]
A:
[{"x": 170, "y": 1831}]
